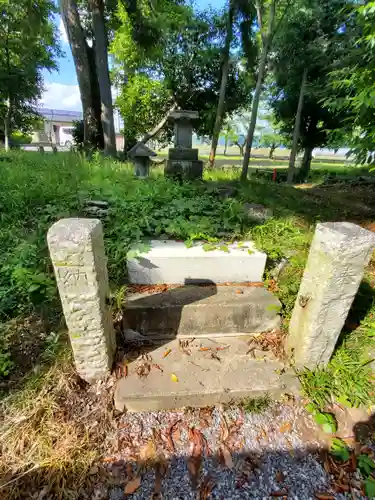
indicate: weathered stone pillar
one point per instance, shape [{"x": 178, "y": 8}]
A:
[
  {"x": 77, "y": 252},
  {"x": 338, "y": 254}
]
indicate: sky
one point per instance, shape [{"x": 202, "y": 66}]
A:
[{"x": 60, "y": 87}]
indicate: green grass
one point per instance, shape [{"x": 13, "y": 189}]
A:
[
  {"x": 255, "y": 405},
  {"x": 36, "y": 191}
]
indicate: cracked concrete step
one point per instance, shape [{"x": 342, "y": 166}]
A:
[
  {"x": 202, "y": 380},
  {"x": 194, "y": 311}
]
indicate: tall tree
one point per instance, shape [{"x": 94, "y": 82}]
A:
[
  {"x": 304, "y": 54},
  {"x": 28, "y": 45},
  {"x": 183, "y": 72},
  {"x": 239, "y": 29},
  {"x": 223, "y": 84},
  {"x": 85, "y": 64},
  {"x": 266, "y": 35},
  {"x": 101, "y": 52},
  {"x": 352, "y": 81}
]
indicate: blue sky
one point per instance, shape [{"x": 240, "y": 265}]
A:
[{"x": 61, "y": 89}]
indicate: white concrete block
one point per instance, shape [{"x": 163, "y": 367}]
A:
[{"x": 172, "y": 262}]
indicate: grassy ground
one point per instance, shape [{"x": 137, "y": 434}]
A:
[{"x": 40, "y": 429}]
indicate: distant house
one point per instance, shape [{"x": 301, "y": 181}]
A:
[{"x": 57, "y": 127}]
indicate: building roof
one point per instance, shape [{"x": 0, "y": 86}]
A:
[
  {"x": 56, "y": 113},
  {"x": 141, "y": 149}
]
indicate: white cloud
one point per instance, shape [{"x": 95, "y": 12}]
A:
[
  {"x": 62, "y": 30},
  {"x": 60, "y": 96}
]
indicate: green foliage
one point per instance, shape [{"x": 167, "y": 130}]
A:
[
  {"x": 27, "y": 46},
  {"x": 308, "y": 39},
  {"x": 366, "y": 464},
  {"x": 144, "y": 101},
  {"x": 340, "y": 450},
  {"x": 151, "y": 81},
  {"x": 353, "y": 80},
  {"x": 348, "y": 376}
]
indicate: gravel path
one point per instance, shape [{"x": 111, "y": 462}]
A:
[{"x": 220, "y": 453}]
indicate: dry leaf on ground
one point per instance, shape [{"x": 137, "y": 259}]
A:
[
  {"x": 226, "y": 457},
  {"x": 324, "y": 496},
  {"x": 174, "y": 377},
  {"x": 285, "y": 427},
  {"x": 132, "y": 485},
  {"x": 143, "y": 370},
  {"x": 148, "y": 452},
  {"x": 206, "y": 488}
]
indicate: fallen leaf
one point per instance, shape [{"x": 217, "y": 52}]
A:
[
  {"x": 227, "y": 457},
  {"x": 167, "y": 353},
  {"x": 222, "y": 348},
  {"x": 174, "y": 377},
  {"x": 132, "y": 486},
  {"x": 285, "y": 427},
  {"x": 194, "y": 465},
  {"x": 324, "y": 496},
  {"x": 94, "y": 470},
  {"x": 279, "y": 476},
  {"x": 204, "y": 349},
  {"x": 160, "y": 470},
  {"x": 215, "y": 356},
  {"x": 148, "y": 452},
  {"x": 281, "y": 493},
  {"x": 143, "y": 370},
  {"x": 206, "y": 488}
]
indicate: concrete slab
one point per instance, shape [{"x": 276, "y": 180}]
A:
[
  {"x": 202, "y": 380},
  {"x": 201, "y": 311},
  {"x": 172, "y": 262}
]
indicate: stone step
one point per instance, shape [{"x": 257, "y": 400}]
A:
[
  {"x": 198, "y": 311},
  {"x": 196, "y": 378},
  {"x": 172, "y": 262}
]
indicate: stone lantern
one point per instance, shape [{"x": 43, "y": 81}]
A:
[
  {"x": 140, "y": 154},
  {"x": 183, "y": 160}
]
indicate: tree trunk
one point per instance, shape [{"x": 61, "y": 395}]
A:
[
  {"x": 241, "y": 146},
  {"x": 272, "y": 150},
  {"x": 226, "y": 144},
  {"x": 306, "y": 163},
  {"x": 158, "y": 127},
  {"x": 297, "y": 129},
  {"x": 80, "y": 52},
  {"x": 101, "y": 52},
  {"x": 7, "y": 127},
  {"x": 223, "y": 86},
  {"x": 254, "y": 109}
]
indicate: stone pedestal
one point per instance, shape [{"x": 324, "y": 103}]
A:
[
  {"x": 338, "y": 254},
  {"x": 183, "y": 160},
  {"x": 77, "y": 253}
]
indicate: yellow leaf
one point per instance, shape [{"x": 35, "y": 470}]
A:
[
  {"x": 174, "y": 377},
  {"x": 132, "y": 486}
]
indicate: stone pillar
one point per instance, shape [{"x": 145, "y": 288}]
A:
[
  {"x": 183, "y": 134},
  {"x": 77, "y": 253},
  {"x": 338, "y": 254}
]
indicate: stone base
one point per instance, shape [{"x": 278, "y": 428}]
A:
[
  {"x": 202, "y": 311},
  {"x": 187, "y": 169},
  {"x": 202, "y": 380},
  {"x": 172, "y": 262},
  {"x": 141, "y": 167},
  {"x": 183, "y": 154}
]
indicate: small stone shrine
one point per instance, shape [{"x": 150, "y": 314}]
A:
[
  {"x": 140, "y": 155},
  {"x": 183, "y": 160}
]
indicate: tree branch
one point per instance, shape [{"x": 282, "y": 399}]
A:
[
  {"x": 288, "y": 5},
  {"x": 258, "y": 7},
  {"x": 158, "y": 127}
]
